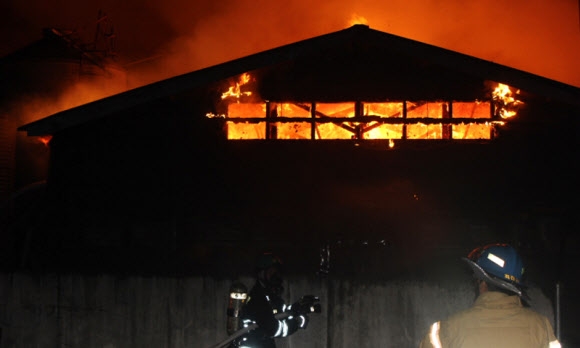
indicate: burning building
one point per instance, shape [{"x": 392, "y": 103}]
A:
[
  {"x": 349, "y": 135},
  {"x": 389, "y": 154}
]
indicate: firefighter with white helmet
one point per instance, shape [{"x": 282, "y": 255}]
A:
[{"x": 497, "y": 318}]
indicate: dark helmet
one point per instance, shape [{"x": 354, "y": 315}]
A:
[
  {"x": 498, "y": 264},
  {"x": 269, "y": 267},
  {"x": 267, "y": 260}
]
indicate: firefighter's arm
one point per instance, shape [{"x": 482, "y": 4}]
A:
[
  {"x": 292, "y": 323},
  {"x": 299, "y": 311},
  {"x": 306, "y": 305},
  {"x": 296, "y": 317},
  {"x": 432, "y": 339},
  {"x": 552, "y": 340}
]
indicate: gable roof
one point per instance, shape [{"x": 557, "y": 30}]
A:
[{"x": 448, "y": 59}]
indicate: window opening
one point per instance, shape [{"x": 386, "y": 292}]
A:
[{"x": 461, "y": 120}]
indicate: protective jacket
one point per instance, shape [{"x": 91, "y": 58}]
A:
[
  {"x": 495, "y": 320},
  {"x": 260, "y": 309}
]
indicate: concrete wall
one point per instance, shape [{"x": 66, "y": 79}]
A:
[{"x": 112, "y": 312}]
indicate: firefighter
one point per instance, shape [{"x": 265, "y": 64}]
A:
[
  {"x": 497, "y": 318},
  {"x": 266, "y": 308}
]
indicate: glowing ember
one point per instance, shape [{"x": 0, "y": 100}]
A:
[
  {"x": 424, "y": 131},
  {"x": 506, "y": 103},
  {"x": 212, "y": 115},
  {"x": 471, "y": 131},
  {"x": 45, "y": 139},
  {"x": 385, "y": 131},
  {"x": 236, "y": 91}
]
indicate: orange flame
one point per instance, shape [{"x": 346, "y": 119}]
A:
[
  {"x": 356, "y": 19},
  {"x": 45, "y": 139},
  {"x": 507, "y": 104},
  {"x": 257, "y": 126},
  {"x": 236, "y": 91}
]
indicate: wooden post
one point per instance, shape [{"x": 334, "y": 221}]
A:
[
  {"x": 313, "y": 122},
  {"x": 447, "y": 113},
  {"x": 271, "y": 115}
]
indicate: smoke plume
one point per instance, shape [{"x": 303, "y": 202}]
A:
[{"x": 159, "y": 39}]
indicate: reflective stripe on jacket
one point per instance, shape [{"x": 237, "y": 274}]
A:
[{"x": 495, "y": 320}]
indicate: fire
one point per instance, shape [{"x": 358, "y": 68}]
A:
[
  {"x": 506, "y": 103},
  {"x": 324, "y": 128},
  {"x": 389, "y": 120},
  {"x": 356, "y": 19},
  {"x": 45, "y": 139},
  {"x": 236, "y": 91}
]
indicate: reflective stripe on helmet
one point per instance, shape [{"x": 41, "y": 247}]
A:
[
  {"x": 555, "y": 344},
  {"x": 434, "y": 335},
  {"x": 497, "y": 260},
  {"x": 501, "y": 261}
]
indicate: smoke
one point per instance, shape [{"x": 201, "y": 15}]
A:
[
  {"x": 160, "y": 39},
  {"x": 29, "y": 108},
  {"x": 536, "y": 36}
]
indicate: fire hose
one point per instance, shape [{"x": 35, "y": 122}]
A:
[{"x": 247, "y": 329}]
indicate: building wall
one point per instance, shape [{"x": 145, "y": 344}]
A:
[
  {"x": 7, "y": 156},
  {"x": 157, "y": 191},
  {"x": 160, "y": 180},
  {"x": 133, "y": 312}
]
